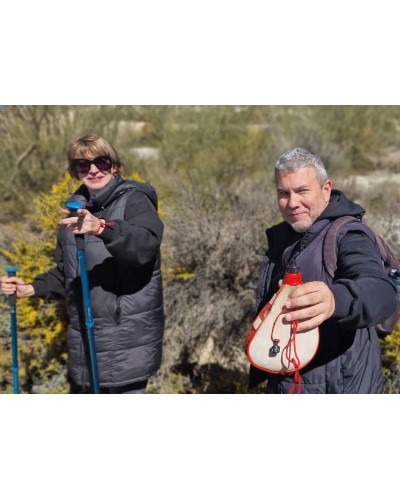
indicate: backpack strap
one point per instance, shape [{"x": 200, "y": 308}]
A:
[{"x": 329, "y": 250}]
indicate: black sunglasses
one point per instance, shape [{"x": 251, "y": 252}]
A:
[{"x": 82, "y": 166}]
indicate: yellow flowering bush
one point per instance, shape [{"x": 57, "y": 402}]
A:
[
  {"x": 391, "y": 361},
  {"x": 41, "y": 325}
]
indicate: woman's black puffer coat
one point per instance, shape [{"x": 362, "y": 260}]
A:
[{"x": 123, "y": 265}]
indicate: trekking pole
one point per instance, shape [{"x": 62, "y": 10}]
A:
[
  {"x": 12, "y": 300},
  {"x": 80, "y": 244}
]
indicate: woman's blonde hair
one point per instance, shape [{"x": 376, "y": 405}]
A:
[{"x": 96, "y": 146}]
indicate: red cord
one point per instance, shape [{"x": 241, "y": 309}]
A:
[
  {"x": 294, "y": 360},
  {"x": 102, "y": 224},
  {"x": 273, "y": 326}
]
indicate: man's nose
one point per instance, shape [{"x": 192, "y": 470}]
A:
[{"x": 293, "y": 200}]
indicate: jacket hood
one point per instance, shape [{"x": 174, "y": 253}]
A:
[
  {"x": 282, "y": 234},
  {"x": 340, "y": 205}
]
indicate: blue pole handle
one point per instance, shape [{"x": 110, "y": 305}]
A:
[
  {"x": 12, "y": 300},
  {"x": 73, "y": 206},
  {"x": 89, "y": 319}
]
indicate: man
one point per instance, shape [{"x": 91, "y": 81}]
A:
[{"x": 345, "y": 309}]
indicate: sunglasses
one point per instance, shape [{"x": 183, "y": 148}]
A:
[{"x": 82, "y": 166}]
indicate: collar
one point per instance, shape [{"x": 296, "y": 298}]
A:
[{"x": 102, "y": 197}]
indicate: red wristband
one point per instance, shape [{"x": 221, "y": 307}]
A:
[{"x": 102, "y": 224}]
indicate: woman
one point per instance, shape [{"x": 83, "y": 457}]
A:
[{"x": 123, "y": 234}]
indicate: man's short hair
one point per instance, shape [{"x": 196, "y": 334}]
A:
[{"x": 299, "y": 158}]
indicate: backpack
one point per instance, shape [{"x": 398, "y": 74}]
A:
[{"x": 386, "y": 253}]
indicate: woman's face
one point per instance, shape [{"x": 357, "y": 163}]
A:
[{"x": 94, "y": 172}]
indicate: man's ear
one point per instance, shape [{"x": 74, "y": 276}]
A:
[{"x": 327, "y": 188}]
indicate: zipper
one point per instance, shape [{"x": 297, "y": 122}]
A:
[
  {"x": 118, "y": 311},
  {"x": 291, "y": 248}
]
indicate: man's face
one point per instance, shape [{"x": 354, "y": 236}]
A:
[{"x": 301, "y": 199}]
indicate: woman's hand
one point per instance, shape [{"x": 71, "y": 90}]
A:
[
  {"x": 85, "y": 223},
  {"x": 12, "y": 284}
]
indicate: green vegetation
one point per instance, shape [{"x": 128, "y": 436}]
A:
[
  {"x": 212, "y": 167},
  {"x": 42, "y": 352}
]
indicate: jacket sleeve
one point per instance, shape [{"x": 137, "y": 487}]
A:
[
  {"x": 364, "y": 294},
  {"x": 50, "y": 285},
  {"x": 136, "y": 240}
]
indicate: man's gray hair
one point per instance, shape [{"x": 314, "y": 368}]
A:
[{"x": 299, "y": 158}]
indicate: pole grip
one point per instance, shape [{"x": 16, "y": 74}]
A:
[
  {"x": 73, "y": 207},
  {"x": 12, "y": 299}
]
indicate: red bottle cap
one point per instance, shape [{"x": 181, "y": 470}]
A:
[
  {"x": 293, "y": 275},
  {"x": 293, "y": 279}
]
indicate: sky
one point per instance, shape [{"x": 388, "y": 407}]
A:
[{"x": 197, "y": 52}]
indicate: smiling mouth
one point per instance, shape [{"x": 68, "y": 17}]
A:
[{"x": 296, "y": 215}]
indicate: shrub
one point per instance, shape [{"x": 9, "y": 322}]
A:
[{"x": 41, "y": 324}]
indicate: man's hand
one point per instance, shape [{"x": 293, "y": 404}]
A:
[{"x": 310, "y": 304}]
